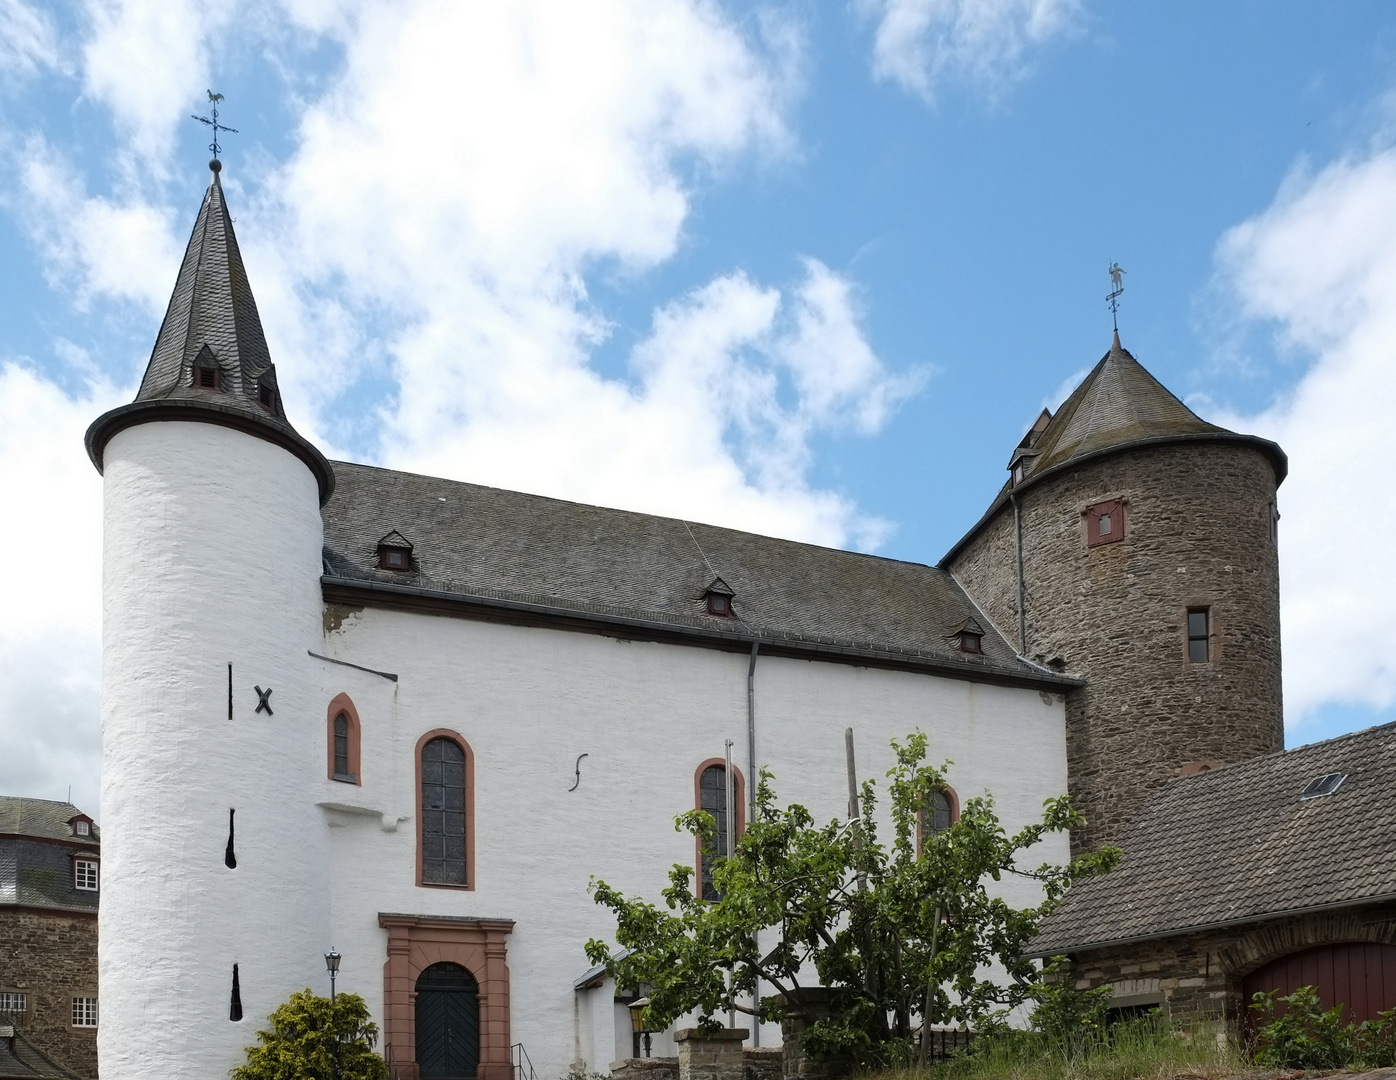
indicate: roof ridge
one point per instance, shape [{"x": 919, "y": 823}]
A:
[{"x": 677, "y": 521}]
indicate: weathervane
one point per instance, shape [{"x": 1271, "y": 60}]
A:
[
  {"x": 214, "y": 99},
  {"x": 1117, "y": 279}
]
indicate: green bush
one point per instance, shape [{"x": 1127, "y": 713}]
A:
[
  {"x": 314, "y": 1039},
  {"x": 1308, "y": 1036}
]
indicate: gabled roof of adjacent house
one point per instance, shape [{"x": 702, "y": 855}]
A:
[
  {"x": 580, "y": 563},
  {"x": 43, "y": 818},
  {"x": 1241, "y": 844},
  {"x": 1118, "y": 406}
]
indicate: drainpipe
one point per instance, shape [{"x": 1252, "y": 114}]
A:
[
  {"x": 1018, "y": 554},
  {"x": 751, "y": 801}
]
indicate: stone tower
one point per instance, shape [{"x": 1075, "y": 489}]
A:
[
  {"x": 214, "y": 896},
  {"x": 1134, "y": 546}
]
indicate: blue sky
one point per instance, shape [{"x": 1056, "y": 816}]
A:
[{"x": 806, "y": 268}]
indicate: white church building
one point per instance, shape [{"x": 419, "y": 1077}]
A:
[{"x": 409, "y": 718}]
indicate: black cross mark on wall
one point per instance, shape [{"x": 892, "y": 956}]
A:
[{"x": 263, "y": 700}]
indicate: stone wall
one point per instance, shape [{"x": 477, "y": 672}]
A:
[
  {"x": 1197, "y": 977},
  {"x": 1198, "y": 533},
  {"x": 52, "y": 958}
]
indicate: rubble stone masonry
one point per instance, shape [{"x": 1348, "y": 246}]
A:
[
  {"x": 1198, "y": 534},
  {"x": 51, "y": 957}
]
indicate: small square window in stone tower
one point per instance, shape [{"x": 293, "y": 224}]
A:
[{"x": 1105, "y": 523}]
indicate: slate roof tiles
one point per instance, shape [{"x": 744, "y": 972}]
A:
[
  {"x": 470, "y": 540},
  {"x": 1239, "y": 844}
]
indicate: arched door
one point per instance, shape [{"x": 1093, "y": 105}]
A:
[
  {"x": 448, "y": 1023},
  {"x": 1359, "y": 975}
]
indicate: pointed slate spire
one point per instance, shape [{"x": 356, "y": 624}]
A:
[
  {"x": 211, "y": 362},
  {"x": 212, "y": 325}
]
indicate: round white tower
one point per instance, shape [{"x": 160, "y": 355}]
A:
[{"x": 213, "y": 855}]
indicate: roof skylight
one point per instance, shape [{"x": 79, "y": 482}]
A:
[{"x": 1323, "y": 785}]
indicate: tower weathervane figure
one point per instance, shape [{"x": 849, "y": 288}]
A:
[
  {"x": 214, "y": 99},
  {"x": 1117, "y": 280}
]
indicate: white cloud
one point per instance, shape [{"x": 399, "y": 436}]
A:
[
  {"x": 923, "y": 44},
  {"x": 28, "y": 40},
  {"x": 1320, "y": 263},
  {"x": 92, "y": 245},
  {"x": 50, "y": 622},
  {"x": 146, "y": 60}
]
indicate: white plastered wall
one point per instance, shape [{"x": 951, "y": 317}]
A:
[
  {"x": 211, "y": 556},
  {"x": 530, "y": 700}
]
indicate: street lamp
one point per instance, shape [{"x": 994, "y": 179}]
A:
[
  {"x": 332, "y": 959},
  {"x": 637, "y": 1024}
]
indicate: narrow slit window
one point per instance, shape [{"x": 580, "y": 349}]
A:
[
  {"x": 267, "y": 396},
  {"x": 443, "y": 813},
  {"x": 230, "y": 859},
  {"x": 235, "y": 1004},
  {"x": 1199, "y": 635}
]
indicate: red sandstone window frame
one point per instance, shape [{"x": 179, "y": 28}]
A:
[
  {"x": 740, "y": 802},
  {"x": 952, "y": 797},
  {"x": 455, "y": 736},
  {"x": 343, "y": 705},
  {"x": 1114, "y": 511}
]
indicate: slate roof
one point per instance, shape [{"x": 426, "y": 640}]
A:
[
  {"x": 43, "y": 818},
  {"x": 21, "y": 1059},
  {"x": 1118, "y": 406},
  {"x": 211, "y": 320},
  {"x": 614, "y": 565},
  {"x": 212, "y": 308},
  {"x": 1238, "y": 845}
]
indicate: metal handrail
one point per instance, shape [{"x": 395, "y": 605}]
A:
[{"x": 521, "y": 1061}]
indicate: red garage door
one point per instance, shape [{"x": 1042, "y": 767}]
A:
[{"x": 1358, "y": 975}]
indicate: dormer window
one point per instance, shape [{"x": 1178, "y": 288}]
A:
[
  {"x": 266, "y": 397},
  {"x": 206, "y": 378},
  {"x": 717, "y": 599},
  {"x": 968, "y": 637},
  {"x": 395, "y": 553},
  {"x": 81, "y": 825}
]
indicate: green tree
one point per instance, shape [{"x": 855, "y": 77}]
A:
[
  {"x": 901, "y": 932},
  {"x": 314, "y": 1039}
]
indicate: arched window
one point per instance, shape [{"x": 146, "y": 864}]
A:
[
  {"x": 941, "y": 811},
  {"x": 710, "y": 783},
  {"x": 445, "y": 784},
  {"x": 342, "y": 730}
]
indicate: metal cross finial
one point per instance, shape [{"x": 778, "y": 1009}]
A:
[
  {"x": 214, "y": 99},
  {"x": 1118, "y": 281}
]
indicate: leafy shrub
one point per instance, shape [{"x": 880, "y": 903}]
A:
[
  {"x": 1376, "y": 1040},
  {"x": 314, "y": 1039},
  {"x": 1305, "y": 1035},
  {"x": 1068, "y": 1017}
]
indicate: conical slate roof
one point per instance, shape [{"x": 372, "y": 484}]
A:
[
  {"x": 211, "y": 362},
  {"x": 1118, "y": 406},
  {"x": 212, "y": 309}
]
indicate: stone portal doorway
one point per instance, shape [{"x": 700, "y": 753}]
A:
[{"x": 448, "y": 1023}]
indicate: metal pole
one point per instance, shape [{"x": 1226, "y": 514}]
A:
[
  {"x": 751, "y": 806},
  {"x": 731, "y": 837}
]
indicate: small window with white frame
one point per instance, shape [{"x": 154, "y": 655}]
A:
[
  {"x": 85, "y": 874},
  {"x": 85, "y": 1012},
  {"x": 13, "y": 1002}
]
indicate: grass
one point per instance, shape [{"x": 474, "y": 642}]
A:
[{"x": 1141, "y": 1050}]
